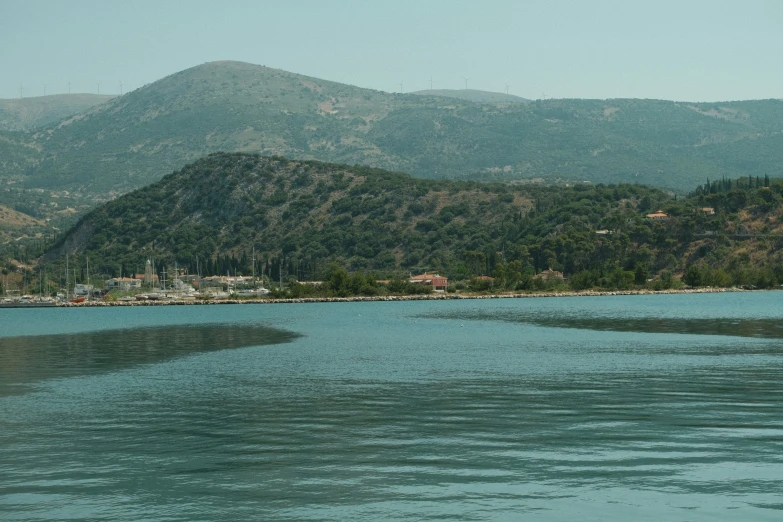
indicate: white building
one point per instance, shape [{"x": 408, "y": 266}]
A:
[{"x": 123, "y": 283}]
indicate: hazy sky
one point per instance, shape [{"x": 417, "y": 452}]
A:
[{"x": 681, "y": 50}]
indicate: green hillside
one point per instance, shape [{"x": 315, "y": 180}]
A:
[
  {"x": 26, "y": 114},
  {"x": 231, "y": 106},
  {"x": 213, "y": 214},
  {"x": 17, "y": 156},
  {"x": 474, "y": 95}
]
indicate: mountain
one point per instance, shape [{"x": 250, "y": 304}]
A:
[
  {"x": 214, "y": 214},
  {"x": 25, "y": 114},
  {"x": 473, "y": 95},
  {"x": 135, "y": 139}
]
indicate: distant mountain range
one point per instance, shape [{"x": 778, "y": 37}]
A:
[
  {"x": 25, "y": 114},
  {"x": 474, "y": 95},
  {"x": 129, "y": 141}
]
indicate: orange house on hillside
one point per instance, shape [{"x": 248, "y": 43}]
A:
[
  {"x": 658, "y": 215},
  {"x": 438, "y": 283}
]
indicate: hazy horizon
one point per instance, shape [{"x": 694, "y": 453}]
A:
[{"x": 682, "y": 51}]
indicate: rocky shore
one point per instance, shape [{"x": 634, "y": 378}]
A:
[{"x": 428, "y": 297}]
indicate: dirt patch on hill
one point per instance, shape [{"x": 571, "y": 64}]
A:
[{"x": 13, "y": 218}]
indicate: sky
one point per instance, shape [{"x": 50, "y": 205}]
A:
[{"x": 686, "y": 50}]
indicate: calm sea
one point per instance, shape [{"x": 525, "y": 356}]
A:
[{"x": 605, "y": 408}]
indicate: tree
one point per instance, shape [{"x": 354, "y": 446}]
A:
[{"x": 338, "y": 279}]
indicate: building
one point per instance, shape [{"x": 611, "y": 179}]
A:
[
  {"x": 550, "y": 275},
  {"x": 658, "y": 215},
  {"x": 707, "y": 211},
  {"x": 123, "y": 283},
  {"x": 438, "y": 283},
  {"x": 143, "y": 277}
]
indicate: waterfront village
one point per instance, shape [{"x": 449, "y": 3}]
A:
[{"x": 181, "y": 286}]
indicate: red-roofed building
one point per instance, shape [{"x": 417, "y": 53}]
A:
[{"x": 438, "y": 283}]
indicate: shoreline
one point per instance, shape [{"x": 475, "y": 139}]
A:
[{"x": 426, "y": 297}]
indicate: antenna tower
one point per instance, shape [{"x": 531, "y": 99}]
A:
[
  {"x": 99, "y": 86},
  {"x": 400, "y": 87},
  {"x": 466, "y": 84},
  {"x": 430, "y": 82}
]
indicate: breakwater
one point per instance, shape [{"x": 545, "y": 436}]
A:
[{"x": 425, "y": 297}]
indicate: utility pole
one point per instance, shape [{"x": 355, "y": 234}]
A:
[
  {"x": 99, "y": 86},
  {"x": 400, "y": 87},
  {"x": 466, "y": 84}
]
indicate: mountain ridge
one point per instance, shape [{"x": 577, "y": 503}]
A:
[
  {"x": 474, "y": 95},
  {"x": 135, "y": 139},
  {"x": 25, "y": 114}
]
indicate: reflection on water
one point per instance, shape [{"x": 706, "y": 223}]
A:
[
  {"x": 34, "y": 358},
  {"x": 761, "y": 328}
]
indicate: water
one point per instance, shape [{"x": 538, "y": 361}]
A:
[{"x": 606, "y": 408}]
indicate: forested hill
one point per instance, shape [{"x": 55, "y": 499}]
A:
[
  {"x": 135, "y": 139},
  {"x": 217, "y": 211}
]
